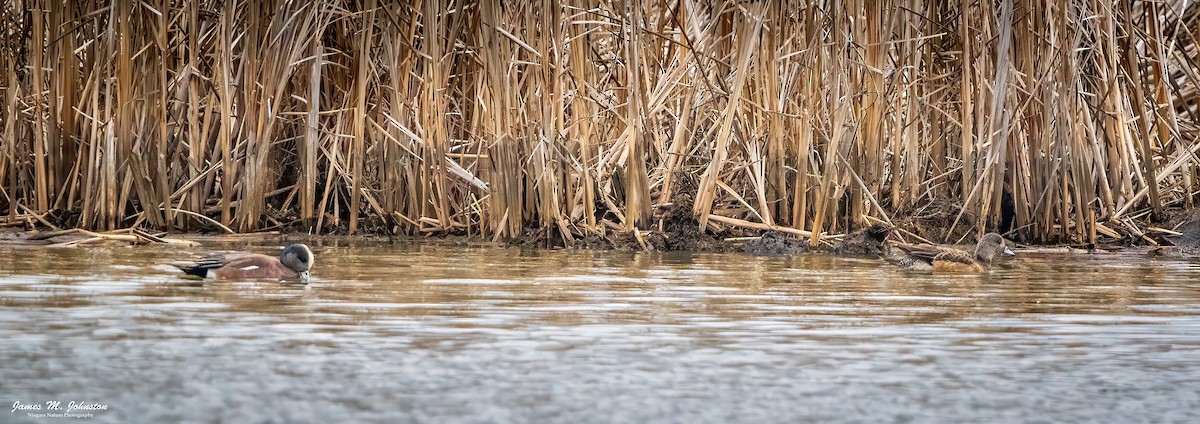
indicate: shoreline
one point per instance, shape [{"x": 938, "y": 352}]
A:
[
  {"x": 770, "y": 243},
  {"x": 668, "y": 229}
]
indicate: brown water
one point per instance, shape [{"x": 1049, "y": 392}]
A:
[{"x": 440, "y": 333}]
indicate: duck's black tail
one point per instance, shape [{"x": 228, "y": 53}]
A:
[
  {"x": 198, "y": 270},
  {"x": 201, "y": 267}
]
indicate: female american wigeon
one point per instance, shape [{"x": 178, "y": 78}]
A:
[
  {"x": 294, "y": 261},
  {"x": 924, "y": 257}
]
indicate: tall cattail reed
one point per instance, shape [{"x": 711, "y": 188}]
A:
[{"x": 1056, "y": 120}]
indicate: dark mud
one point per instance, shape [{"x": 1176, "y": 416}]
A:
[
  {"x": 870, "y": 241},
  {"x": 933, "y": 221},
  {"x": 672, "y": 227},
  {"x": 775, "y": 243},
  {"x": 1187, "y": 223}
]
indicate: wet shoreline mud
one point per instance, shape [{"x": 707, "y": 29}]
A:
[
  {"x": 670, "y": 227},
  {"x": 672, "y": 231}
]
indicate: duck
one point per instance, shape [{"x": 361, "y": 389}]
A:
[
  {"x": 928, "y": 257},
  {"x": 294, "y": 261}
]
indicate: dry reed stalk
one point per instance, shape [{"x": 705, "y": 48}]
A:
[
  {"x": 309, "y": 148},
  {"x": 637, "y": 185},
  {"x": 708, "y": 181},
  {"x": 41, "y": 179},
  {"x": 433, "y": 114},
  {"x": 582, "y": 130},
  {"x": 362, "y": 65},
  {"x": 870, "y": 136},
  {"x": 10, "y": 134},
  {"x": 224, "y": 93}
]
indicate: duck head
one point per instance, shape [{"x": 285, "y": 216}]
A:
[
  {"x": 990, "y": 246},
  {"x": 298, "y": 257}
]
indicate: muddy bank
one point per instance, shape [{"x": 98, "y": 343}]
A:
[
  {"x": 769, "y": 243},
  {"x": 674, "y": 228}
]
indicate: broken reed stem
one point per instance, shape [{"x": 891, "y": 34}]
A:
[{"x": 131, "y": 235}]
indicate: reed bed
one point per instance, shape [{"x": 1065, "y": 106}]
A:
[{"x": 1058, "y": 121}]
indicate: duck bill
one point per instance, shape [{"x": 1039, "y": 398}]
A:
[
  {"x": 1008, "y": 252},
  {"x": 304, "y": 277}
]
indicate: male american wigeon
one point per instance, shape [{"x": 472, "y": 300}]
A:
[
  {"x": 294, "y": 261},
  {"x": 924, "y": 257}
]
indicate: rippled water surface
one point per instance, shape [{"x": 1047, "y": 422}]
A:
[{"x": 441, "y": 333}]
